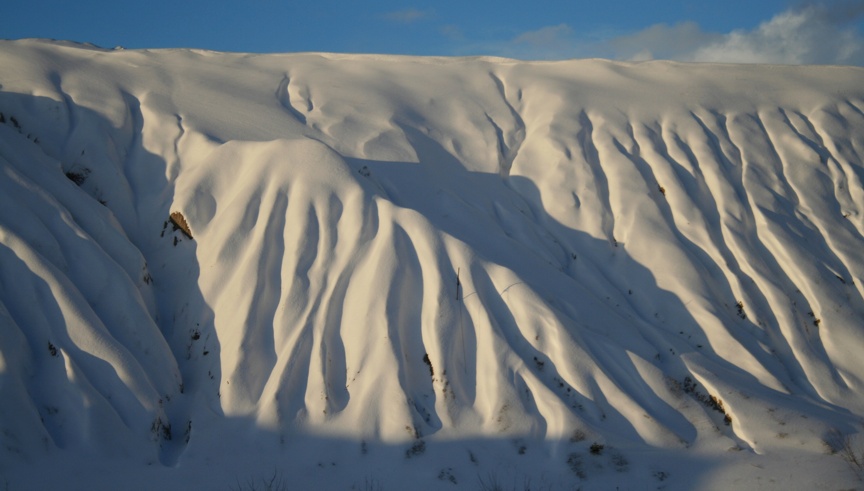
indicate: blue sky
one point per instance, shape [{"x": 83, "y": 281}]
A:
[{"x": 774, "y": 31}]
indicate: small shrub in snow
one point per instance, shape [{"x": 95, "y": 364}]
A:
[
  {"x": 674, "y": 386},
  {"x": 661, "y": 475},
  {"x": 428, "y": 362},
  {"x": 842, "y": 445},
  {"x": 741, "y": 312},
  {"x": 188, "y": 435},
  {"x": 540, "y": 364},
  {"x": 417, "y": 449},
  {"x": 574, "y": 461},
  {"x": 716, "y": 404},
  {"x": 160, "y": 430},
  {"x": 620, "y": 462},
  {"x": 596, "y": 448},
  {"x": 710, "y": 401},
  {"x": 472, "y": 458},
  {"x": 275, "y": 483},
  {"x": 689, "y": 386},
  {"x": 447, "y": 475},
  {"x": 78, "y": 175}
]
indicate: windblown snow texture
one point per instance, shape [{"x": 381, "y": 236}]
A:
[{"x": 395, "y": 252}]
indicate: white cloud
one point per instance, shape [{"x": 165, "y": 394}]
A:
[
  {"x": 408, "y": 16},
  {"x": 811, "y": 35},
  {"x": 452, "y": 31},
  {"x": 822, "y": 33},
  {"x": 546, "y": 36},
  {"x": 546, "y": 43},
  {"x": 659, "y": 41}
]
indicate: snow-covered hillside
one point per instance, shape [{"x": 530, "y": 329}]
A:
[{"x": 427, "y": 273}]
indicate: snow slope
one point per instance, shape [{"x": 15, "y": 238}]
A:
[{"x": 427, "y": 272}]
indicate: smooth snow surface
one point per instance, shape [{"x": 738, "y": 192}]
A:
[{"x": 427, "y": 273}]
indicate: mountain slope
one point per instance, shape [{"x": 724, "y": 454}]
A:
[{"x": 506, "y": 258}]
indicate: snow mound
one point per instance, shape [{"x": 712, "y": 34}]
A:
[{"x": 526, "y": 261}]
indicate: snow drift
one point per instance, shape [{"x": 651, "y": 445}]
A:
[{"x": 425, "y": 258}]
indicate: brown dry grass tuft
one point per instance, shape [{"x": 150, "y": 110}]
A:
[{"x": 179, "y": 222}]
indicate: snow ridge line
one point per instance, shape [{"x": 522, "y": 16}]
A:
[{"x": 510, "y": 143}]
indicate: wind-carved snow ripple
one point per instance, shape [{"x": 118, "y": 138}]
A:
[
  {"x": 772, "y": 237},
  {"x": 294, "y": 99},
  {"x": 93, "y": 343},
  {"x": 748, "y": 217},
  {"x": 607, "y": 260}
]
